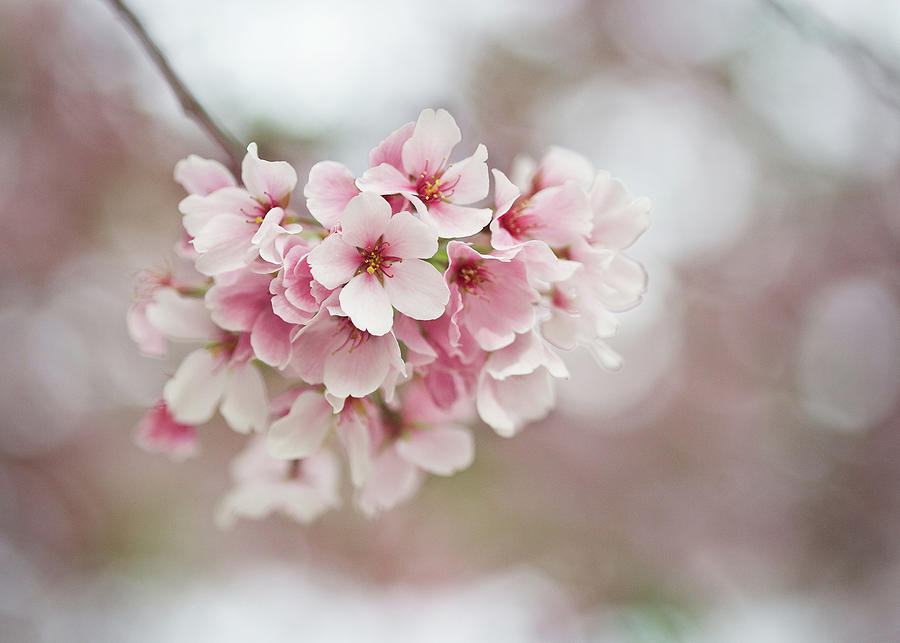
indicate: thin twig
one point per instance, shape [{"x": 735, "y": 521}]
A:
[
  {"x": 189, "y": 102},
  {"x": 883, "y": 78}
]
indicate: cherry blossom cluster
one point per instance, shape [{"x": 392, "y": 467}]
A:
[{"x": 380, "y": 320}]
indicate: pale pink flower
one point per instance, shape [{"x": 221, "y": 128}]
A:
[
  {"x": 377, "y": 258},
  {"x": 515, "y": 385},
  {"x": 350, "y": 362},
  {"x": 233, "y": 226},
  {"x": 419, "y": 437},
  {"x": 492, "y": 298},
  {"x": 439, "y": 191},
  {"x": 301, "y": 489},
  {"x": 241, "y": 302},
  {"x": 618, "y": 218},
  {"x": 222, "y": 376},
  {"x": 158, "y": 432},
  {"x": 557, "y": 215}
]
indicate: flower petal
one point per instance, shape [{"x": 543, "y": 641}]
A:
[
  {"x": 410, "y": 237},
  {"x": 202, "y": 176},
  {"x": 270, "y": 182},
  {"x": 196, "y": 388},
  {"x": 333, "y": 262},
  {"x": 328, "y": 191},
  {"x": 453, "y": 220},
  {"x": 180, "y": 317},
  {"x": 389, "y": 150},
  {"x": 245, "y": 405},
  {"x": 367, "y": 303},
  {"x": 470, "y": 177},
  {"x": 392, "y": 481},
  {"x": 432, "y": 141},
  {"x": 417, "y": 289},
  {"x": 270, "y": 338},
  {"x": 443, "y": 450},
  {"x": 385, "y": 179},
  {"x": 299, "y": 434},
  {"x": 365, "y": 219}
]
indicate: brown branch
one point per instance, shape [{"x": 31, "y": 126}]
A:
[{"x": 189, "y": 102}]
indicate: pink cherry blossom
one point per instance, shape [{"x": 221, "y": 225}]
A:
[
  {"x": 492, "y": 297},
  {"x": 296, "y": 296},
  {"x": 159, "y": 432},
  {"x": 440, "y": 192},
  {"x": 350, "y": 362},
  {"x": 377, "y": 258},
  {"x": 232, "y": 226},
  {"x": 241, "y": 302}
]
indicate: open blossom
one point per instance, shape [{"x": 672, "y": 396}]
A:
[
  {"x": 377, "y": 258},
  {"x": 231, "y": 226},
  {"x": 395, "y": 319},
  {"x": 440, "y": 191}
]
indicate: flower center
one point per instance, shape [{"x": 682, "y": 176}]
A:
[
  {"x": 431, "y": 187},
  {"x": 517, "y": 221},
  {"x": 352, "y": 335},
  {"x": 470, "y": 278},
  {"x": 376, "y": 260}
]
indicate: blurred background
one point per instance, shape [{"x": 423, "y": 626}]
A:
[{"x": 737, "y": 481}]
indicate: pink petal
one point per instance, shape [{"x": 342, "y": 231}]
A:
[
  {"x": 453, "y": 220},
  {"x": 245, "y": 405},
  {"x": 364, "y": 220},
  {"x": 392, "y": 481},
  {"x": 563, "y": 215},
  {"x": 367, "y": 303},
  {"x": 145, "y": 334},
  {"x": 410, "y": 237},
  {"x": 417, "y": 289},
  {"x": 270, "y": 182},
  {"x": 618, "y": 220},
  {"x": 389, "y": 150},
  {"x": 200, "y": 210},
  {"x": 360, "y": 370},
  {"x": 333, "y": 262},
  {"x": 505, "y": 192},
  {"x": 353, "y": 431},
  {"x": 202, "y": 176},
  {"x": 235, "y": 306},
  {"x": 159, "y": 432},
  {"x": 271, "y": 339},
  {"x": 443, "y": 450},
  {"x": 196, "y": 388},
  {"x": 507, "y": 405},
  {"x": 470, "y": 177},
  {"x": 560, "y": 165},
  {"x": 328, "y": 191},
  {"x": 432, "y": 141},
  {"x": 299, "y": 434},
  {"x": 385, "y": 179}
]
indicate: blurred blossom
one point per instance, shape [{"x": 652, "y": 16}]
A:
[
  {"x": 670, "y": 141},
  {"x": 848, "y": 366}
]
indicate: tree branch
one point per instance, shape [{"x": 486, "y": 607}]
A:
[
  {"x": 189, "y": 102},
  {"x": 883, "y": 78}
]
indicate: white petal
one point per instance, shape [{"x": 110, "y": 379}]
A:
[
  {"x": 299, "y": 434},
  {"x": 194, "y": 391},
  {"x": 417, "y": 289},
  {"x": 180, "y": 317},
  {"x": 442, "y": 450},
  {"x": 367, "y": 304},
  {"x": 268, "y": 181},
  {"x": 365, "y": 219},
  {"x": 410, "y": 237},
  {"x": 245, "y": 405},
  {"x": 333, "y": 262}
]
